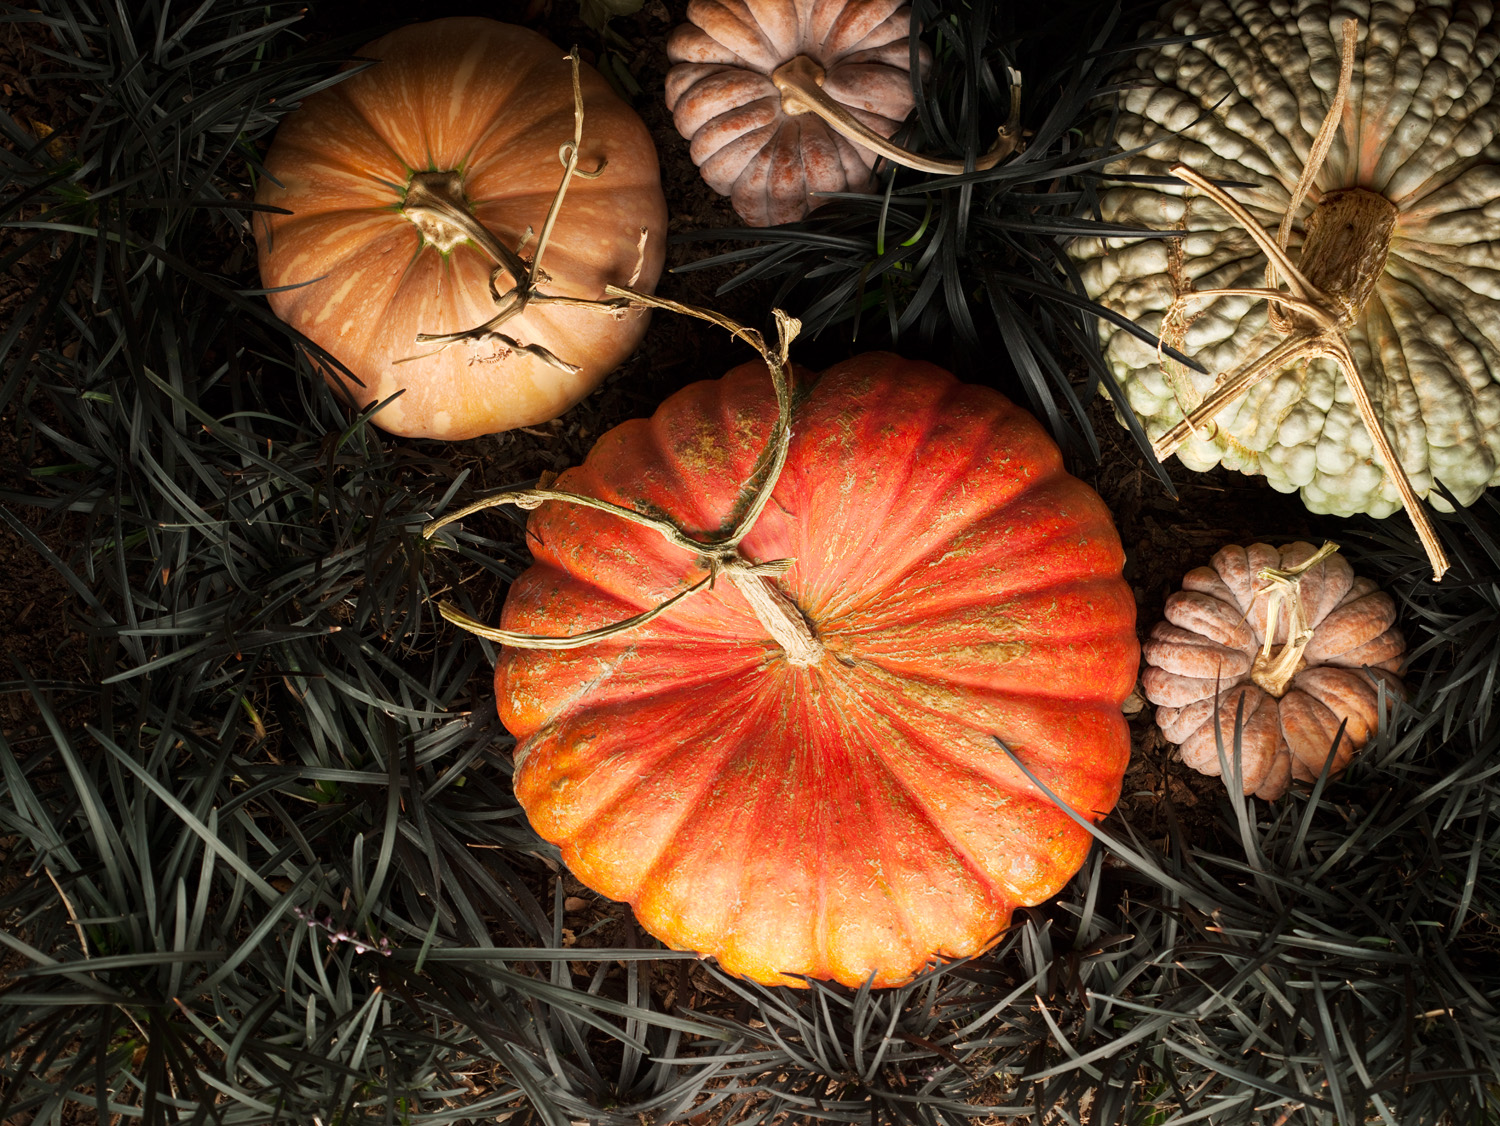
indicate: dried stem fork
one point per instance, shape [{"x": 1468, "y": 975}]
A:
[{"x": 435, "y": 203}]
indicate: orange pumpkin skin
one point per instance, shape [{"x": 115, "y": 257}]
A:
[
  {"x": 855, "y": 817},
  {"x": 495, "y": 102}
]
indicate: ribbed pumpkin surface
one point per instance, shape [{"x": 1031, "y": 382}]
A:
[
  {"x": 772, "y": 164},
  {"x": 855, "y": 816}
]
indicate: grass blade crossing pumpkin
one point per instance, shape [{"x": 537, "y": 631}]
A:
[
  {"x": 833, "y": 802},
  {"x": 468, "y": 115}
]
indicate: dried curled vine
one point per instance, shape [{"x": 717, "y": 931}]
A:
[
  {"x": 435, "y": 204},
  {"x": 772, "y": 607}
]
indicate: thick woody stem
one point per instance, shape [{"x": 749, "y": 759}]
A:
[
  {"x": 775, "y": 610},
  {"x": 801, "y": 84},
  {"x": 1343, "y": 258},
  {"x": 1321, "y": 144},
  {"x": 435, "y": 203},
  {"x": 1415, "y": 509},
  {"x": 1233, "y": 386},
  {"x": 1275, "y": 673}
]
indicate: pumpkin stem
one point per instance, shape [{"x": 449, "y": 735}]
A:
[
  {"x": 1315, "y": 157},
  {"x": 436, "y": 204},
  {"x": 1274, "y": 673},
  {"x": 801, "y": 84},
  {"x": 772, "y": 606}
]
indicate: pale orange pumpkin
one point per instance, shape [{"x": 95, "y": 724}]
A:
[
  {"x": 770, "y": 158},
  {"x": 1286, "y": 642},
  {"x": 491, "y": 105}
]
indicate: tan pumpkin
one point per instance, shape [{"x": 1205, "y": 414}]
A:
[
  {"x": 771, "y": 159},
  {"x": 1289, "y": 643},
  {"x": 409, "y": 183}
]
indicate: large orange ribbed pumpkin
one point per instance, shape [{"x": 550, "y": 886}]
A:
[
  {"x": 850, "y": 814},
  {"x": 492, "y": 103}
]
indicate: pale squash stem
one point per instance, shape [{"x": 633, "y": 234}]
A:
[
  {"x": 1319, "y": 316},
  {"x": 1286, "y": 586},
  {"x": 1329, "y": 342},
  {"x": 1319, "y": 152},
  {"x": 1289, "y": 351},
  {"x": 800, "y": 82},
  {"x": 1295, "y": 281},
  {"x": 1415, "y": 509}
]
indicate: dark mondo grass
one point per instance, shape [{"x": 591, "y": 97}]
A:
[{"x": 264, "y": 865}]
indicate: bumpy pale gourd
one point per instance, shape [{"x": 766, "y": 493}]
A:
[
  {"x": 842, "y": 810},
  {"x": 1419, "y": 130},
  {"x": 1209, "y": 665},
  {"x": 722, "y": 98},
  {"x": 492, "y": 104}
]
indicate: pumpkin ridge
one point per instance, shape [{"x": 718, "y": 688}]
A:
[
  {"x": 1005, "y": 654},
  {"x": 834, "y": 586},
  {"x": 711, "y": 731},
  {"x": 893, "y": 871},
  {"x": 626, "y": 590},
  {"x": 979, "y": 541},
  {"x": 433, "y": 115},
  {"x": 403, "y": 293},
  {"x": 1047, "y": 726},
  {"x": 1039, "y": 878},
  {"x": 354, "y": 98},
  {"x": 894, "y": 706},
  {"x": 384, "y": 195},
  {"x": 906, "y": 527},
  {"x": 747, "y": 819},
  {"x": 631, "y": 663},
  {"x": 528, "y": 705},
  {"x": 501, "y": 131},
  {"x": 913, "y": 894},
  {"x": 344, "y": 95},
  {"x": 305, "y": 288},
  {"x": 879, "y": 753},
  {"x": 364, "y": 329}
]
